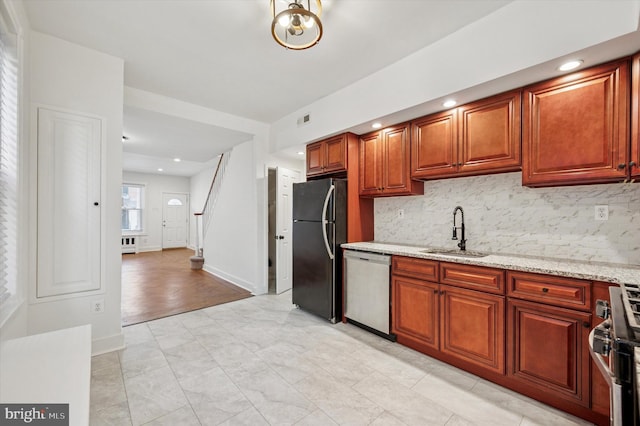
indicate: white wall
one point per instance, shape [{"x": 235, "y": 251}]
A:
[
  {"x": 501, "y": 216},
  {"x": 231, "y": 244},
  {"x": 155, "y": 186},
  {"x": 71, "y": 77}
]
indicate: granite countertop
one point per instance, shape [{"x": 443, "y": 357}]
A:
[{"x": 596, "y": 271}]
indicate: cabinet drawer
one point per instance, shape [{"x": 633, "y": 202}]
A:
[
  {"x": 416, "y": 268},
  {"x": 551, "y": 290},
  {"x": 489, "y": 280}
]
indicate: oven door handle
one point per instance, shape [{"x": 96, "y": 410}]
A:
[
  {"x": 615, "y": 394},
  {"x": 600, "y": 362}
]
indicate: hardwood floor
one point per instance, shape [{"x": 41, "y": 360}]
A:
[{"x": 161, "y": 283}]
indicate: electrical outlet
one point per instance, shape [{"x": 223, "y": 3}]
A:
[
  {"x": 602, "y": 213},
  {"x": 400, "y": 213},
  {"x": 97, "y": 306}
]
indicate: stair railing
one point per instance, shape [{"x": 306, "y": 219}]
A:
[{"x": 203, "y": 218}]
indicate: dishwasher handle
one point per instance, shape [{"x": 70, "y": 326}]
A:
[{"x": 366, "y": 256}]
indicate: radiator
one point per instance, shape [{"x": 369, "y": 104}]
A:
[{"x": 129, "y": 244}]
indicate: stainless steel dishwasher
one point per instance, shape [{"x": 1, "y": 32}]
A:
[{"x": 367, "y": 294}]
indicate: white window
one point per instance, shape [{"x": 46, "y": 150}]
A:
[
  {"x": 8, "y": 170},
  {"x": 132, "y": 208}
]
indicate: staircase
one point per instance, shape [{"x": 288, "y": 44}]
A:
[{"x": 203, "y": 218}]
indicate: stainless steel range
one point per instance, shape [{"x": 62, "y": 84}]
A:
[{"x": 618, "y": 337}]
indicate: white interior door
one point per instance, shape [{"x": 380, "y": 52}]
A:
[
  {"x": 175, "y": 221},
  {"x": 69, "y": 205},
  {"x": 284, "y": 221}
]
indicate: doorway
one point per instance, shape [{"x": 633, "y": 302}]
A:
[
  {"x": 175, "y": 220},
  {"x": 280, "y": 218}
]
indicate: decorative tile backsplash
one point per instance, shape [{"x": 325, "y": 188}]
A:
[{"x": 502, "y": 216}]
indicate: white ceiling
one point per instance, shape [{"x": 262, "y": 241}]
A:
[{"x": 220, "y": 54}]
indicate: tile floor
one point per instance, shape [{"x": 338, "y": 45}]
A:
[{"x": 260, "y": 361}]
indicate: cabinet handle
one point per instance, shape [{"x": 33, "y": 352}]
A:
[
  {"x": 441, "y": 292},
  {"x": 621, "y": 166},
  {"x": 460, "y": 163},
  {"x": 435, "y": 291},
  {"x": 586, "y": 324},
  {"x": 545, "y": 290},
  {"x": 632, "y": 164}
]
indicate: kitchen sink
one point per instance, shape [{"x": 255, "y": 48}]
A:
[{"x": 458, "y": 253}]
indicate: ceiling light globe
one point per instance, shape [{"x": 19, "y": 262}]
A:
[
  {"x": 308, "y": 23},
  {"x": 284, "y": 20}
]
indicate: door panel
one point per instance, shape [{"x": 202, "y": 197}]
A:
[
  {"x": 395, "y": 143},
  {"x": 69, "y": 207},
  {"x": 284, "y": 222},
  {"x": 175, "y": 220},
  {"x": 415, "y": 310},
  {"x": 472, "y": 325},
  {"x": 549, "y": 349},
  {"x": 434, "y": 145}
]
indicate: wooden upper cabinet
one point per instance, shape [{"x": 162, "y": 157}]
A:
[
  {"x": 434, "y": 148},
  {"x": 328, "y": 156},
  {"x": 489, "y": 134},
  {"x": 385, "y": 164},
  {"x": 370, "y": 164},
  {"x": 477, "y": 138},
  {"x": 575, "y": 128},
  {"x": 634, "y": 163}
]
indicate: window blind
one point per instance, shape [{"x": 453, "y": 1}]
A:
[{"x": 8, "y": 172}]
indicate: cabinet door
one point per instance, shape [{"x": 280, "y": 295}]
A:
[
  {"x": 472, "y": 327},
  {"x": 434, "y": 147},
  {"x": 395, "y": 160},
  {"x": 489, "y": 136},
  {"x": 315, "y": 159},
  {"x": 548, "y": 349},
  {"x": 336, "y": 154},
  {"x": 575, "y": 128},
  {"x": 370, "y": 164},
  {"x": 415, "y": 310},
  {"x": 634, "y": 164}
]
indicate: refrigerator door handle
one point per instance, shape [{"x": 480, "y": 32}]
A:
[{"x": 325, "y": 221}]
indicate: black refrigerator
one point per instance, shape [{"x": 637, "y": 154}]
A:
[{"x": 319, "y": 227}]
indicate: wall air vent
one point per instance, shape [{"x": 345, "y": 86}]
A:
[{"x": 305, "y": 119}]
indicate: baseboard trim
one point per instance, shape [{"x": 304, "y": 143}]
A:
[
  {"x": 231, "y": 278},
  {"x": 107, "y": 344},
  {"x": 149, "y": 248}
]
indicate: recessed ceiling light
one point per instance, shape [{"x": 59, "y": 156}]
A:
[
  {"x": 300, "y": 153},
  {"x": 449, "y": 103},
  {"x": 571, "y": 65},
  {"x": 160, "y": 169},
  {"x": 177, "y": 160},
  {"x": 376, "y": 125}
]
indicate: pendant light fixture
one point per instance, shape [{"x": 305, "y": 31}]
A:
[{"x": 296, "y": 27}]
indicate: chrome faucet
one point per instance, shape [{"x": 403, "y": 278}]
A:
[{"x": 463, "y": 243}]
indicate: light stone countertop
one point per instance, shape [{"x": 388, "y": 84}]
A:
[{"x": 596, "y": 271}]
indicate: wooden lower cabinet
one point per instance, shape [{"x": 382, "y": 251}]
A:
[
  {"x": 472, "y": 327},
  {"x": 459, "y": 323},
  {"x": 415, "y": 311},
  {"x": 548, "y": 349}
]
